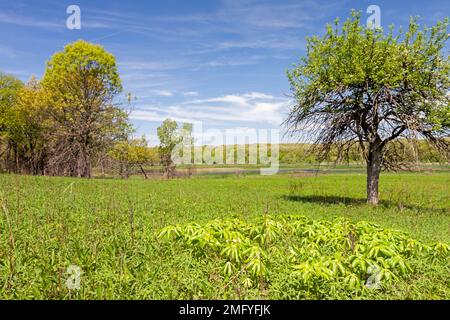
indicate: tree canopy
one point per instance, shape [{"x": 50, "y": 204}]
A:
[
  {"x": 9, "y": 89},
  {"x": 169, "y": 137},
  {"x": 135, "y": 152}
]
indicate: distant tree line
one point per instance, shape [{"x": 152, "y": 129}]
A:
[{"x": 407, "y": 152}]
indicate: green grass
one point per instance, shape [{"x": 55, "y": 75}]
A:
[{"x": 109, "y": 228}]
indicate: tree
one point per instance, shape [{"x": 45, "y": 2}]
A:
[
  {"x": 81, "y": 83},
  {"x": 366, "y": 87},
  {"x": 133, "y": 153},
  {"x": 28, "y": 126},
  {"x": 169, "y": 138},
  {"x": 9, "y": 91}
]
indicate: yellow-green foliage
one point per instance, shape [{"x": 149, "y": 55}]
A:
[
  {"x": 322, "y": 255},
  {"x": 134, "y": 152}
]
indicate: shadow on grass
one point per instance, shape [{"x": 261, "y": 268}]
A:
[
  {"x": 327, "y": 200},
  {"x": 348, "y": 201}
]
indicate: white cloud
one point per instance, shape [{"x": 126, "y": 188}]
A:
[
  {"x": 190, "y": 94},
  {"x": 227, "y": 99},
  {"x": 258, "y": 95},
  {"x": 252, "y": 107},
  {"x": 163, "y": 93},
  {"x": 146, "y": 115}
]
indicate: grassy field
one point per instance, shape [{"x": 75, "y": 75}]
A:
[{"x": 109, "y": 229}]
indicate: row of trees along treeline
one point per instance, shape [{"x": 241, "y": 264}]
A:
[
  {"x": 69, "y": 121},
  {"x": 62, "y": 123},
  {"x": 360, "y": 92}
]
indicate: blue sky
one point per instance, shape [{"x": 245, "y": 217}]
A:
[{"x": 220, "y": 62}]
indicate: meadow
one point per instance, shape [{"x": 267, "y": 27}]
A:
[{"x": 110, "y": 228}]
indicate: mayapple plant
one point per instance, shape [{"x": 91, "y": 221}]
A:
[{"x": 335, "y": 253}]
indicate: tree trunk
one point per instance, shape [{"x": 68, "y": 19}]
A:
[
  {"x": 169, "y": 168},
  {"x": 143, "y": 172},
  {"x": 88, "y": 166},
  {"x": 17, "y": 158},
  {"x": 102, "y": 168},
  {"x": 373, "y": 172},
  {"x": 84, "y": 163}
]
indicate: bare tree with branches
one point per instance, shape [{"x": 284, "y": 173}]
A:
[
  {"x": 80, "y": 84},
  {"x": 361, "y": 86}
]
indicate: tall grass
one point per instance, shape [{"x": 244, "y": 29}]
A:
[{"x": 109, "y": 229}]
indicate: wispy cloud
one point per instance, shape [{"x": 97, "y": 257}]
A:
[
  {"x": 152, "y": 65},
  {"x": 7, "y": 52},
  {"x": 27, "y": 21},
  {"x": 190, "y": 94},
  {"x": 270, "y": 16},
  {"x": 254, "y": 107},
  {"x": 53, "y": 23},
  {"x": 163, "y": 93},
  {"x": 271, "y": 42},
  {"x": 253, "y": 24}
]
